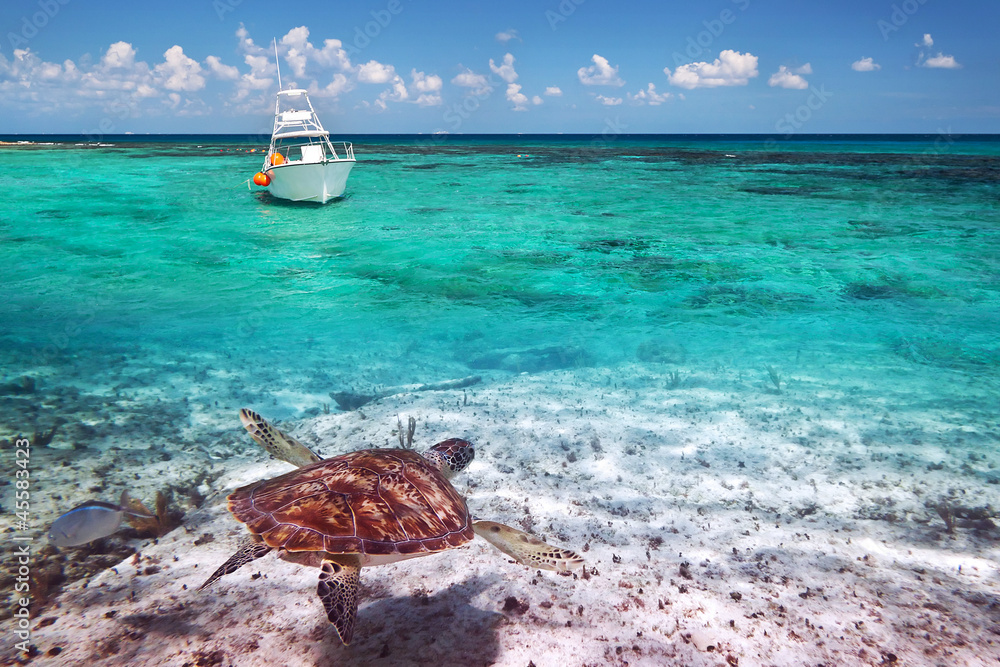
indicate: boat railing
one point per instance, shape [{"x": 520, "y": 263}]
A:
[
  {"x": 308, "y": 153},
  {"x": 347, "y": 150}
]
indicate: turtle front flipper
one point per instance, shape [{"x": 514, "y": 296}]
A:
[
  {"x": 280, "y": 445},
  {"x": 338, "y": 589},
  {"x": 249, "y": 549},
  {"x": 527, "y": 549}
]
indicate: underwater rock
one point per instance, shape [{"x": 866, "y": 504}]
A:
[
  {"x": 871, "y": 291},
  {"x": 748, "y": 300},
  {"x": 42, "y": 438},
  {"x": 608, "y": 246},
  {"x": 800, "y": 190},
  {"x": 661, "y": 352},
  {"x": 531, "y": 360},
  {"x": 702, "y": 639},
  {"x": 878, "y": 229},
  {"x": 26, "y": 385},
  {"x": 347, "y": 400}
]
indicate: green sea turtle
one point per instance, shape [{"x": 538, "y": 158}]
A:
[{"x": 365, "y": 508}]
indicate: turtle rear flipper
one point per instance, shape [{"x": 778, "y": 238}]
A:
[
  {"x": 338, "y": 589},
  {"x": 527, "y": 549},
  {"x": 280, "y": 445},
  {"x": 249, "y": 549}
]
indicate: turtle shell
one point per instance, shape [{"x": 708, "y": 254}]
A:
[{"x": 379, "y": 502}]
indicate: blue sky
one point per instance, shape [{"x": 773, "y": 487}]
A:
[{"x": 590, "y": 66}]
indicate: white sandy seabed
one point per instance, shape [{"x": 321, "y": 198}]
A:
[{"x": 724, "y": 521}]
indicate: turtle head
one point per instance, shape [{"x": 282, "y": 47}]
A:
[{"x": 451, "y": 456}]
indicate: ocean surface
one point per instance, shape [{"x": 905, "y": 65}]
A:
[
  {"x": 830, "y": 303},
  {"x": 742, "y": 250}
]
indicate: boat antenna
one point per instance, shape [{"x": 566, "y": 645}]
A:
[{"x": 276, "y": 63}]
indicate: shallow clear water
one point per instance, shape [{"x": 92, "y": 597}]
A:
[
  {"x": 679, "y": 339},
  {"x": 444, "y": 252}
]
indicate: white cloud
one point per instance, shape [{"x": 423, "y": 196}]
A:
[
  {"x": 225, "y": 72},
  {"x": 118, "y": 71},
  {"x": 257, "y": 79},
  {"x": 116, "y": 84},
  {"x": 553, "y": 91},
  {"x": 396, "y": 93},
  {"x": 941, "y": 61},
  {"x": 50, "y": 71},
  {"x": 423, "y": 83},
  {"x": 515, "y": 95},
  {"x": 787, "y": 78},
  {"x": 179, "y": 72},
  {"x": 608, "y": 101},
  {"x": 339, "y": 84},
  {"x": 536, "y": 100},
  {"x": 428, "y": 87},
  {"x": 375, "y": 72},
  {"x": 506, "y": 70},
  {"x": 507, "y": 35},
  {"x": 119, "y": 55},
  {"x": 601, "y": 73},
  {"x": 304, "y": 59},
  {"x": 469, "y": 79},
  {"x": 247, "y": 45},
  {"x": 296, "y": 41},
  {"x": 300, "y": 52},
  {"x": 649, "y": 96},
  {"x": 731, "y": 68},
  {"x": 865, "y": 65}
]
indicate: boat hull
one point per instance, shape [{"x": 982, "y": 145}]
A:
[{"x": 316, "y": 182}]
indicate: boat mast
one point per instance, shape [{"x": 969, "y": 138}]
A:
[{"x": 276, "y": 63}]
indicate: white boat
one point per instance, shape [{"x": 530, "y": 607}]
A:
[{"x": 302, "y": 164}]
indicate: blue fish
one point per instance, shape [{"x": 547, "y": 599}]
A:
[{"x": 90, "y": 521}]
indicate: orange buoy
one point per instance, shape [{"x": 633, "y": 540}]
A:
[
  {"x": 262, "y": 179},
  {"x": 277, "y": 158}
]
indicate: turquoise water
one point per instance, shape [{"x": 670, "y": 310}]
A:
[
  {"x": 733, "y": 251},
  {"x": 795, "y": 335}
]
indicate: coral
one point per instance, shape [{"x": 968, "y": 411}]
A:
[
  {"x": 162, "y": 522},
  {"x": 410, "y": 430}
]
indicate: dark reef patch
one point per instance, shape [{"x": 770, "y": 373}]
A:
[
  {"x": 865, "y": 291},
  {"x": 737, "y": 299},
  {"x": 794, "y": 190}
]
